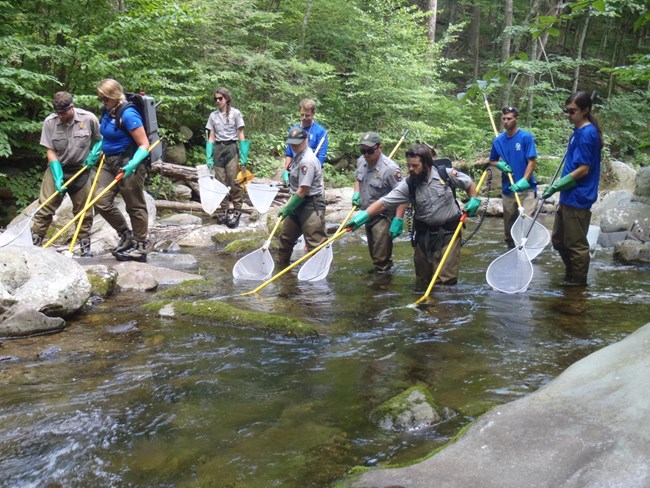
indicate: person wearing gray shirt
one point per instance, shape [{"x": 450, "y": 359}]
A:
[
  {"x": 375, "y": 177},
  {"x": 304, "y": 213},
  {"x": 436, "y": 212},
  {"x": 68, "y": 136}
]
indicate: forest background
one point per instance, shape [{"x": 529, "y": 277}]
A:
[{"x": 384, "y": 65}]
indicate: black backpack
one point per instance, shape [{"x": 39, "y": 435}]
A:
[{"x": 146, "y": 107}]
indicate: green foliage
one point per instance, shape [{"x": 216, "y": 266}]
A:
[
  {"x": 336, "y": 178},
  {"x": 159, "y": 187},
  {"x": 25, "y": 187}
]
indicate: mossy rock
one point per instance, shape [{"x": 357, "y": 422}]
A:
[
  {"x": 242, "y": 246},
  {"x": 103, "y": 280},
  {"x": 411, "y": 409},
  {"x": 220, "y": 312},
  {"x": 188, "y": 289},
  {"x": 226, "y": 237}
]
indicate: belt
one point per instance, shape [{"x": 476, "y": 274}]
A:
[{"x": 224, "y": 142}]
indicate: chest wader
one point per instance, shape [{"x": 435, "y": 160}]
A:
[
  {"x": 308, "y": 220},
  {"x": 380, "y": 244},
  {"x": 430, "y": 243}
]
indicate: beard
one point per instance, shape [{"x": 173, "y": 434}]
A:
[{"x": 422, "y": 177}]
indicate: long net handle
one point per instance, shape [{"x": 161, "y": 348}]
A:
[
  {"x": 496, "y": 134},
  {"x": 298, "y": 261},
  {"x": 90, "y": 196},
  {"x": 91, "y": 203}
]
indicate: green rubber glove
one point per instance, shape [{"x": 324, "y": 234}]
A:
[
  {"x": 137, "y": 158},
  {"x": 94, "y": 153},
  {"x": 57, "y": 174},
  {"x": 565, "y": 183},
  {"x": 505, "y": 167},
  {"x": 358, "y": 220},
  {"x": 356, "y": 199},
  {"x": 472, "y": 206},
  {"x": 209, "y": 152},
  {"x": 521, "y": 185},
  {"x": 396, "y": 227},
  {"x": 292, "y": 205},
  {"x": 285, "y": 177},
  {"x": 244, "y": 146}
]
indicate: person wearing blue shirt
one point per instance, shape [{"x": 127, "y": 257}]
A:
[
  {"x": 315, "y": 133},
  {"x": 126, "y": 145},
  {"x": 516, "y": 148},
  {"x": 578, "y": 189}
]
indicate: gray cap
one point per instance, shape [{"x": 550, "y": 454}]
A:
[
  {"x": 370, "y": 139},
  {"x": 296, "y": 135}
]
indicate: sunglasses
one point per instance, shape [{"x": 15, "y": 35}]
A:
[
  {"x": 412, "y": 154},
  {"x": 570, "y": 111},
  {"x": 103, "y": 99},
  {"x": 218, "y": 99},
  {"x": 369, "y": 151},
  {"x": 510, "y": 109}
]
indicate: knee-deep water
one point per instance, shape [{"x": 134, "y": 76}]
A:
[{"x": 186, "y": 403}]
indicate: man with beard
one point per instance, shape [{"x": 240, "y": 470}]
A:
[{"x": 437, "y": 213}]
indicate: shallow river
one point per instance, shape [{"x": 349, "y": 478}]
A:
[{"x": 187, "y": 404}]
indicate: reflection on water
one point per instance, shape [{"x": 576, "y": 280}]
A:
[{"x": 184, "y": 403}]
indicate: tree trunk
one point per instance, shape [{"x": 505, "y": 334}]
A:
[
  {"x": 433, "y": 8},
  {"x": 581, "y": 43},
  {"x": 475, "y": 37},
  {"x": 505, "y": 47},
  {"x": 174, "y": 171},
  {"x": 303, "y": 29}
]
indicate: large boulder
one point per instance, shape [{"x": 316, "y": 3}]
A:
[
  {"x": 642, "y": 188},
  {"x": 588, "y": 427},
  {"x": 42, "y": 280},
  {"x": 625, "y": 176}
]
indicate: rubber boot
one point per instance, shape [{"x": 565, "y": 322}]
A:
[
  {"x": 222, "y": 218},
  {"x": 233, "y": 219},
  {"x": 84, "y": 246},
  {"x": 37, "y": 240},
  {"x": 136, "y": 253},
  {"x": 126, "y": 241}
]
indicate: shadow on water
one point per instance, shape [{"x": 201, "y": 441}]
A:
[{"x": 189, "y": 403}]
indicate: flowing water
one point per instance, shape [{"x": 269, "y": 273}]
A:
[{"x": 189, "y": 404}]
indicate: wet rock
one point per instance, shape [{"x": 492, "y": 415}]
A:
[
  {"x": 410, "y": 410},
  {"x": 181, "y": 193},
  {"x": 642, "y": 187},
  {"x": 632, "y": 252},
  {"x": 166, "y": 245},
  {"x": 103, "y": 280},
  {"x": 8, "y": 359},
  {"x": 201, "y": 237},
  {"x": 129, "y": 328},
  {"x": 608, "y": 239},
  {"x": 49, "y": 353},
  {"x": 30, "y": 322},
  {"x": 167, "y": 311},
  {"x": 181, "y": 219},
  {"x": 172, "y": 261},
  {"x": 145, "y": 277},
  {"x": 41, "y": 279}
]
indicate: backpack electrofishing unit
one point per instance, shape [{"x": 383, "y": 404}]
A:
[{"x": 146, "y": 107}]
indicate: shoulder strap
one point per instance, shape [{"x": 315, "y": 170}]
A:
[
  {"x": 411, "y": 186},
  {"x": 119, "y": 111}
]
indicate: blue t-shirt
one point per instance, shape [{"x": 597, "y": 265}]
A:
[
  {"x": 116, "y": 140},
  {"x": 584, "y": 148},
  {"x": 516, "y": 151},
  {"x": 316, "y": 133}
]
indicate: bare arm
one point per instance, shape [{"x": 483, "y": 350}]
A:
[
  {"x": 401, "y": 210},
  {"x": 140, "y": 137},
  {"x": 240, "y": 134},
  {"x": 303, "y": 191},
  {"x": 51, "y": 155},
  {"x": 532, "y": 164},
  {"x": 580, "y": 172}
]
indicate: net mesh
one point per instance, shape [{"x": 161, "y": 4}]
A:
[
  {"x": 257, "y": 265},
  {"x": 537, "y": 239},
  {"x": 510, "y": 272},
  {"x": 317, "y": 267}
]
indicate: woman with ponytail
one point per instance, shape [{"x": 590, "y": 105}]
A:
[{"x": 578, "y": 189}]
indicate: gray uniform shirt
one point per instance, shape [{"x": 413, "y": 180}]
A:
[
  {"x": 225, "y": 129},
  {"x": 305, "y": 170},
  {"x": 71, "y": 142},
  {"x": 434, "y": 201},
  {"x": 377, "y": 181}
]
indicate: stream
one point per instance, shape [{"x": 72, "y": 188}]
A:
[{"x": 186, "y": 403}]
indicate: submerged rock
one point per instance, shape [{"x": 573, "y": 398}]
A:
[
  {"x": 27, "y": 323},
  {"x": 220, "y": 313},
  {"x": 410, "y": 410}
]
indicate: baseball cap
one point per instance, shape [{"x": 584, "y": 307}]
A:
[
  {"x": 370, "y": 139},
  {"x": 296, "y": 136}
]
